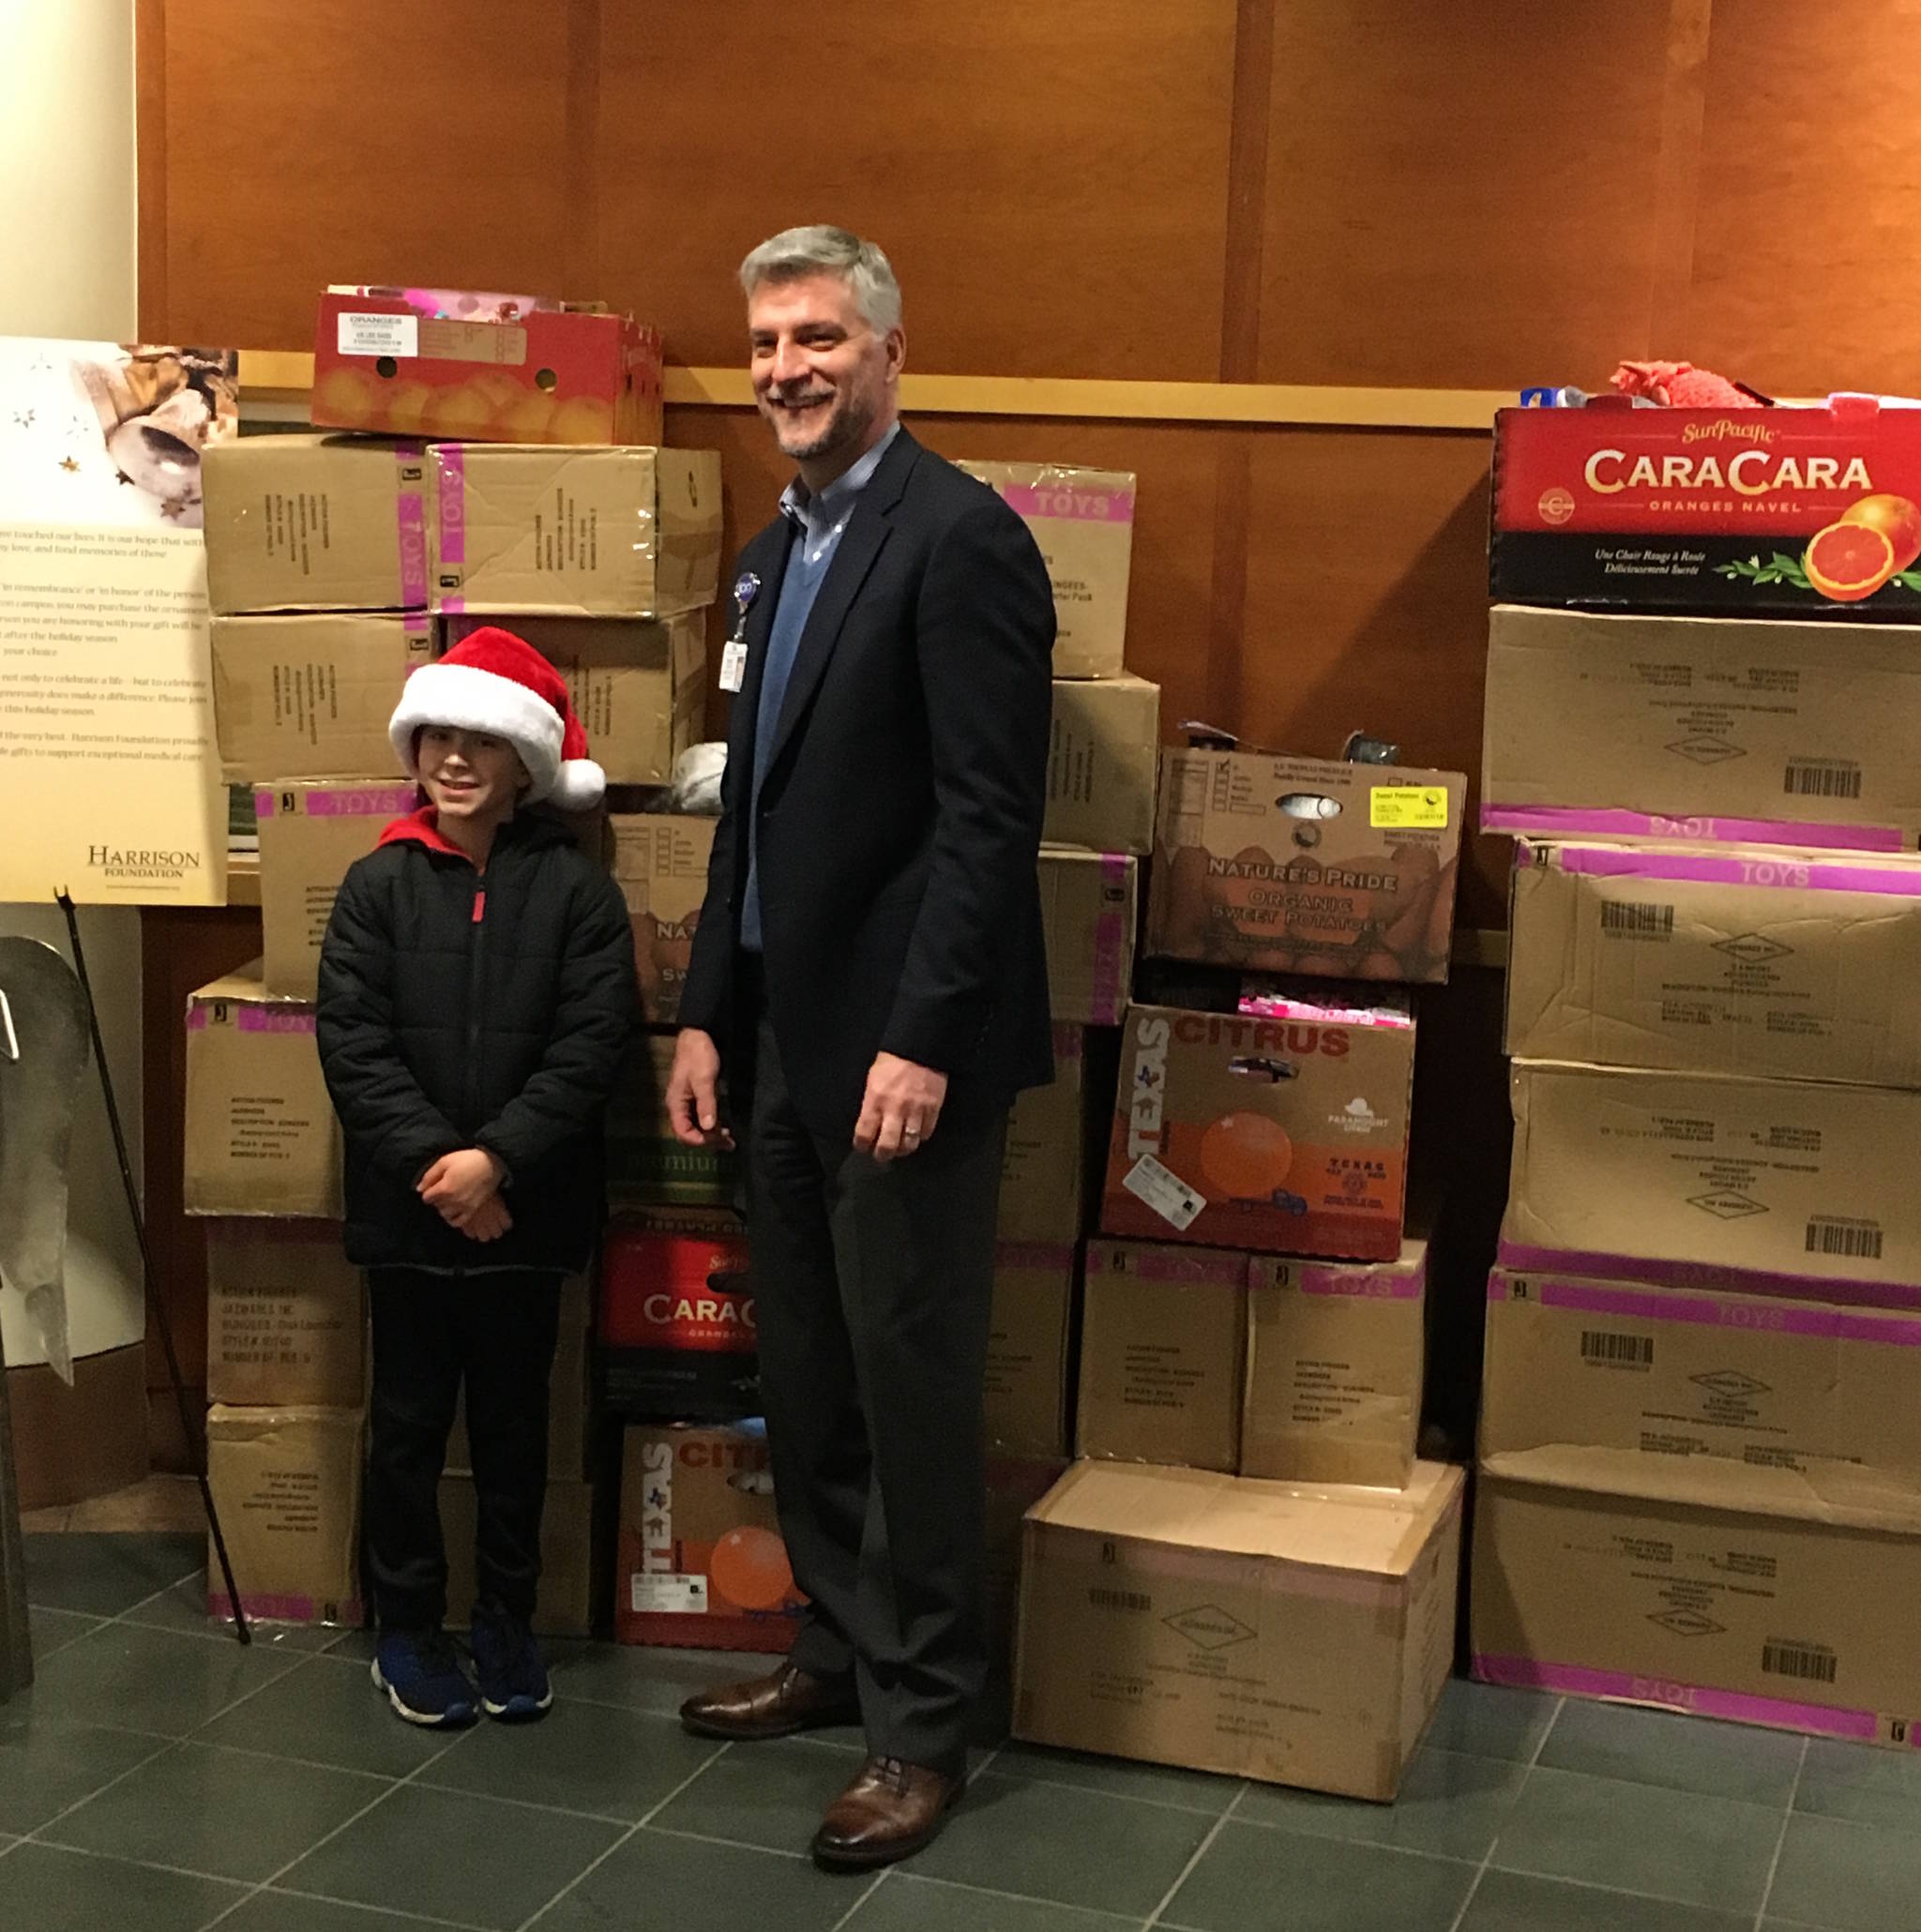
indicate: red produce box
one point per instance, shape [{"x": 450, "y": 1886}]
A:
[
  {"x": 484, "y": 368},
  {"x": 1798, "y": 512},
  {"x": 677, "y": 1318}
]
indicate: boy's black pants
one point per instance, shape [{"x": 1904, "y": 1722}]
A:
[{"x": 496, "y": 1331}]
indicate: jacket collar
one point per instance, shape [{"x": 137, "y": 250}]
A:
[{"x": 422, "y": 828}]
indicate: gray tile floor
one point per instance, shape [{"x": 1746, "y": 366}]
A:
[{"x": 158, "y": 1779}]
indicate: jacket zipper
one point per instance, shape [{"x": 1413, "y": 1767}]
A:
[{"x": 476, "y": 952}]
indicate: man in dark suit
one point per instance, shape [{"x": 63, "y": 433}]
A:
[{"x": 867, "y": 993}]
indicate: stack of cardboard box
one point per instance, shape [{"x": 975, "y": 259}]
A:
[
  {"x": 336, "y": 564},
  {"x": 1098, "y": 827},
  {"x": 1250, "y": 1347},
  {"x": 678, "y": 1304},
  {"x": 1699, "y": 1487}
]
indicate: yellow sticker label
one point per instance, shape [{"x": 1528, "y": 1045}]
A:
[{"x": 1407, "y": 807}]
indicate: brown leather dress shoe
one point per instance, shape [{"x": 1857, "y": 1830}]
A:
[
  {"x": 892, "y": 1810},
  {"x": 776, "y": 1706}
]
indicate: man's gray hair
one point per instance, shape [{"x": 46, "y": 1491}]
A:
[{"x": 819, "y": 250}]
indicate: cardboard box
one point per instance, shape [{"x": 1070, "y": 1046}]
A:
[
  {"x": 1089, "y": 904},
  {"x": 1302, "y": 865},
  {"x": 1709, "y": 508},
  {"x": 677, "y": 1329},
  {"x": 1335, "y": 1354},
  {"x": 1014, "y": 1485},
  {"x": 1795, "y": 1406},
  {"x": 310, "y": 833},
  {"x": 639, "y": 685},
  {"x": 286, "y": 1482},
  {"x": 1697, "y": 728},
  {"x": 646, "y": 1167},
  {"x": 261, "y": 1135},
  {"x": 1083, "y": 521},
  {"x": 571, "y": 1556},
  {"x": 501, "y": 368},
  {"x": 661, "y": 865},
  {"x": 1778, "y": 965},
  {"x": 701, "y": 1558},
  {"x": 570, "y": 1394},
  {"x": 305, "y": 522},
  {"x": 286, "y": 1317},
  {"x": 1163, "y": 1335},
  {"x": 1103, "y": 758},
  {"x": 1280, "y": 1135},
  {"x": 1299, "y": 1636},
  {"x": 575, "y": 533},
  {"x": 1028, "y": 1349},
  {"x": 1044, "y": 1168},
  {"x": 1778, "y": 1621},
  {"x": 309, "y": 696},
  {"x": 1762, "y": 1186}
]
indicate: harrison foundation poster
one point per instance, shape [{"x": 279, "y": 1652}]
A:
[{"x": 110, "y": 784}]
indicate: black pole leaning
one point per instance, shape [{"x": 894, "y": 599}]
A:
[
  {"x": 16, "y": 1635},
  {"x": 196, "y": 1441}
]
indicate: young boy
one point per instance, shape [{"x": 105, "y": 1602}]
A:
[{"x": 477, "y": 993}]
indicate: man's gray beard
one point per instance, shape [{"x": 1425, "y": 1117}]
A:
[{"x": 839, "y": 432}]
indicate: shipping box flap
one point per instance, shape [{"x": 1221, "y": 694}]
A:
[
  {"x": 598, "y": 530},
  {"x": 1833, "y": 1493},
  {"x": 1323, "y": 1527},
  {"x": 316, "y": 522},
  {"x": 244, "y": 984},
  {"x": 229, "y": 1422},
  {"x": 1697, "y": 728},
  {"x": 1748, "y": 1402},
  {"x": 1773, "y": 962},
  {"x": 1703, "y": 1178}
]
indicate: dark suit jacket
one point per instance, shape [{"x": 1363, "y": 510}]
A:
[{"x": 901, "y": 815}]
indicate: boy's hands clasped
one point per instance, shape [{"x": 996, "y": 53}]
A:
[{"x": 463, "y": 1189}]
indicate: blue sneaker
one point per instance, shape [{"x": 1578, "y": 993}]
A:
[
  {"x": 513, "y": 1680},
  {"x": 421, "y": 1674}
]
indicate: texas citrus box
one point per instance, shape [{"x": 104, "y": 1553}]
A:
[
  {"x": 1304, "y": 865},
  {"x": 1283, "y": 1130},
  {"x": 1785, "y": 512}
]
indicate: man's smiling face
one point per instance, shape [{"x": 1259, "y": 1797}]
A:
[{"x": 823, "y": 377}]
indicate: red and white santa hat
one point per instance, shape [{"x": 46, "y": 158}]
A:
[{"x": 494, "y": 682}]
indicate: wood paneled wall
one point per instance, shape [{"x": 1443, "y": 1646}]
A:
[{"x": 1475, "y": 195}]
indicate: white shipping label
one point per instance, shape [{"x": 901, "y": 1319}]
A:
[
  {"x": 379, "y": 334},
  {"x": 657, "y": 1591},
  {"x": 1164, "y": 1191}
]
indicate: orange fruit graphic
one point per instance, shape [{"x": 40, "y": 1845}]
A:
[
  {"x": 1895, "y": 518},
  {"x": 1847, "y": 562},
  {"x": 750, "y": 1567},
  {"x": 1246, "y": 1155}
]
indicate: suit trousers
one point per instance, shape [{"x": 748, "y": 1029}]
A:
[
  {"x": 496, "y": 1333},
  {"x": 873, "y": 1287}
]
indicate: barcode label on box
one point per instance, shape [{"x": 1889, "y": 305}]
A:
[
  {"x": 1811, "y": 1662},
  {"x": 669, "y": 1592},
  {"x": 1118, "y": 1599},
  {"x": 1637, "y": 921},
  {"x": 362, "y": 334},
  {"x": 1601, "y": 1344},
  {"x": 1855, "y": 1241},
  {"x": 1830, "y": 780},
  {"x": 1164, "y": 1191}
]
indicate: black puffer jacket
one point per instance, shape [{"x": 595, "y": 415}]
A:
[{"x": 463, "y": 1010}]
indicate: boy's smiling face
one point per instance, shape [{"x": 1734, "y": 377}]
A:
[{"x": 471, "y": 776}]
